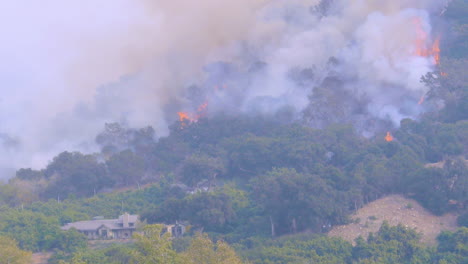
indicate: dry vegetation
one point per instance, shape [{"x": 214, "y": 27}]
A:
[{"x": 395, "y": 209}]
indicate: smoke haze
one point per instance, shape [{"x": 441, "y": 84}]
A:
[{"x": 68, "y": 67}]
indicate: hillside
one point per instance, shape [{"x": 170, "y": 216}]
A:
[
  {"x": 395, "y": 209},
  {"x": 256, "y": 131}
]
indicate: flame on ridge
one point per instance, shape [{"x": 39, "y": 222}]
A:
[
  {"x": 389, "y": 137},
  {"x": 187, "y": 118},
  {"x": 184, "y": 117},
  {"x": 422, "y": 48}
]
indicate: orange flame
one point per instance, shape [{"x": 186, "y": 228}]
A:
[
  {"x": 421, "y": 101},
  {"x": 436, "y": 51},
  {"x": 186, "y": 118},
  {"x": 202, "y": 107},
  {"x": 388, "y": 137},
  {"x": 421, "y": 43},
  {"x": 421, "y": 38}
]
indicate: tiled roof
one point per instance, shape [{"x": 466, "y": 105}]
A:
[{"x": 113, "y": 224}]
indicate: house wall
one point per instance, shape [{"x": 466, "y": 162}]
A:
[
  {"x": 90, "y": 234},
  {"x": 123, "y": 233},
  {"x": 108, "y": 234},
  {"x": 105, "y": 233}
]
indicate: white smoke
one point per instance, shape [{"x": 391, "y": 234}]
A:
[{"x": 70, "y": 66}]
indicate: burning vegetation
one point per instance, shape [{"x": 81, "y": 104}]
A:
[
  {"x": 421, "y": 100},
  {"x": 423, "y": 46},
  {"x": 187, "y": 117},
  {"x": 253, "y": 66},
  {"x": 389, "y": 137}
]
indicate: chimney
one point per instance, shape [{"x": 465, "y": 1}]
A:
[{"x": 125, "y": 220}]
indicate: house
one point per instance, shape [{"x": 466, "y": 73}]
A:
[
  {"x": 176, "y": 230},
  {"x": 98, "y": 228}
]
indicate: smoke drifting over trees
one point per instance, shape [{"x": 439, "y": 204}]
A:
[{"x": 69, "y": 67}]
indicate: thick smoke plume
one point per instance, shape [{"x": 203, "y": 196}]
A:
[{"x": 68, "y": 67}]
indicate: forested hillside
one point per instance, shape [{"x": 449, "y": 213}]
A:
[{"x": 256, "y": 188}]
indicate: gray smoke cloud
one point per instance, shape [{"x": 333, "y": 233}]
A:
[{"x": 70, "y": 66}]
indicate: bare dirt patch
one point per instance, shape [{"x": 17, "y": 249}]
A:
[
  {"x": 395, "y": 209},
  {"x": 41, "y": 258}
]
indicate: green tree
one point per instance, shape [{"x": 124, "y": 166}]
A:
[
  {"x": 154, "y": 248},
  {"x": 454, "y": 242},
  {"x": 450, "y": 84},
  {"x": 114, "y": 138},
  {"x": 296, "y": 201},
  {"x": 33, "y": 231},
  {"x": 126, "y": 167},
  {"x": 75, "y": 173},
  {"x": 211, "y": 210},
  {"x": 29, "y": 174},
  {"x": 203, "y": 251},
  {"x": 71, "y": 241},
  {"x": 435, "y": 188},
  {"x": 395, "y": 244},
  {"x": 199, "y": 167},
  {"x": 8, "y": 195},
  {"x": 11, "y": 254}
]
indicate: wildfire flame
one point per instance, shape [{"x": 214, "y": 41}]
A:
[
  {"x": 421, "y": 38},
  {"x": 421, "y": 43},
  {"x": 202, "y": 108},
  {"x": 436, "y": 51},
  {"x": 421, "y": 101},
  {"x": 184, "y": 117},
  {"x": 424, "y": 49},
  {"x": 187, "y": 118},
  {"x": 388, "y": 137}
]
